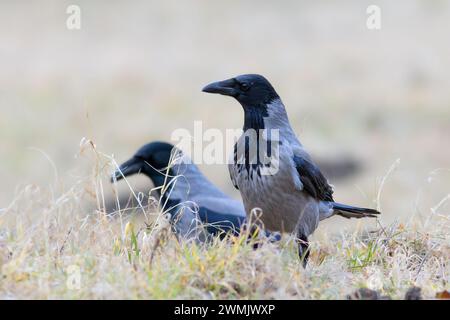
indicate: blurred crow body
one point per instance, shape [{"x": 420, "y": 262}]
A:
[
  {"x": 290, "y": 190},
  {"x": 185, "y": 192}
]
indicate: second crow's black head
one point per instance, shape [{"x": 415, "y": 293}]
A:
[
  {"x": 152, "y": 160},
  {"x": 251, "y": 90}
]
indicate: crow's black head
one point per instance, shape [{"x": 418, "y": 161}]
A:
[
  {"x": 251, "y": 90},
  {"x": 152, "y": 160}
]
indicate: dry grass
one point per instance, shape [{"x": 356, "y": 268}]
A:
[{"x": 47, "y": 236}]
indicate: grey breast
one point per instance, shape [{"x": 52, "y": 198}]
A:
[{"x": 278, "y": 195}]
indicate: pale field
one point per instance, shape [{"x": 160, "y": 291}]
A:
[{"x": 134, "y": 74}]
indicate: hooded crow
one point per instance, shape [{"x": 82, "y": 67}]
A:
[
  {"x": 191, "y": 199},
  {"x": 284, "y": 183}
]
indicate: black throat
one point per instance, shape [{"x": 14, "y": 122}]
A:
[
  {"x": 159, "y": 178},
  {"x": 254, "y": 117},
  {"x": 253, "y": 120}
]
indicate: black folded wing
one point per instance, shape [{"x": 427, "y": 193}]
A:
[{"x": 314, "y": 183}]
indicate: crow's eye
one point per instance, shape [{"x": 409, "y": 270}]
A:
[{"x": 244, "y": 86}]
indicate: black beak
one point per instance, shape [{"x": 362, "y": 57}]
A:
[
  {"x": 127, "y": 168},
  {"x": 225, "y": 88}
]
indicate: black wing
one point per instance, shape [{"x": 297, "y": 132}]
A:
[{"x": 314, "y": 183}]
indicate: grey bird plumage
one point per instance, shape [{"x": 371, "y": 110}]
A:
[
  {"x": 296, "y": 197},
  {"x": 198, "y": 208}
]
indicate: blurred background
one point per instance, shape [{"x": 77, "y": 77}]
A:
[{"x": 134, "y": 71}]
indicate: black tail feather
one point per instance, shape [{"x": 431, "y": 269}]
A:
[{"x": 354, "y": 212}]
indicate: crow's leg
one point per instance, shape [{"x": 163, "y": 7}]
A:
[
  {"x": 303, "y": 249},
  {"x": 255, "y": 234}
]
